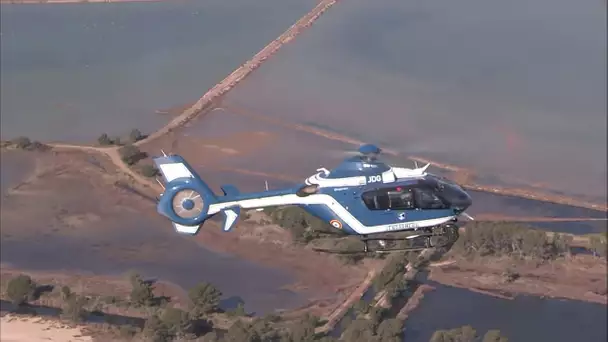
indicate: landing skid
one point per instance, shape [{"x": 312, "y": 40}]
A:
[{"x": 436, "y": 237}]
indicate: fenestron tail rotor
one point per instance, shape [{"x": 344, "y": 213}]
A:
[{"x": 187, "y": 203}]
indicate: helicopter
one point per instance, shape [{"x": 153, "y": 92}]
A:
[{"x": 362, "y": 196}]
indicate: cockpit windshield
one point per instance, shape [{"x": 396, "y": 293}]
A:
[{"x": 447, "y": 190}]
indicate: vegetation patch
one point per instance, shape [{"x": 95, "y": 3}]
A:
[
  {"x": 482, "y": 239},
  {"x": 24, "y": 143},
  {"x": 467, "y": 334}
]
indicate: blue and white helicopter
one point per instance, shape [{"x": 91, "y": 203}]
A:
[{"x": 363, "y": 196}]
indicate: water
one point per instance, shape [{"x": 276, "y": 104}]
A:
[
  {"x": 96, "y": 228},
  {"x": 525, "y": 318},
  {"x": 73, "y": 71},
  {"x": 515, "y": 89},
  {"x": 16, "y": 166},
  {"x": 156, "y": 252}
]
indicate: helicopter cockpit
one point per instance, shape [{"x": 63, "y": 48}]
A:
[{"x": 429, "y": 193}]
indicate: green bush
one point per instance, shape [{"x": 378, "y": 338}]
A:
[
  {"x": 74, "y": 309},
  {"x": 510, "y": 239},
  {"x": 149, "y": 170},
  {"x": 463, "y": 334},
  {"x": 142, "y": 292},
  {"x": 205, "y": 299},
  {"x": 599, "y": 245},
  {"x": 135, "y": 136},
  {"x": 130, "y": 154},
  {"x": 104, "y": 140},
  {"x": 22, "y": 142},
  {"x": 467, "y": 334},
  {"x": 21, "y": 289}
]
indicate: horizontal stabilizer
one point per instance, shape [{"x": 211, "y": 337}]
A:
[
  {"x": 230, "y": 217},
  {"x": 173, "y": 167},
  {"x": 189, "y": 230},
  {"x": 230, "y": 190}
]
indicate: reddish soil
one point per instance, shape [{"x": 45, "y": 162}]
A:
[{"x": 580, "y": 277}]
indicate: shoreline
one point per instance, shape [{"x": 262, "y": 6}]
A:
[{"x": 570, "y": 279}]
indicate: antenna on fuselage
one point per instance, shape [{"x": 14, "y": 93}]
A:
[
  {"x": 415, "y": 164},
  {"x": 266, "y": 184}
]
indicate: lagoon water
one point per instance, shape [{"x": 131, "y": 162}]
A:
[
  {"x": 525, "y": 318},
  {"x": 73, "y": 71},
  {"x": 515, "y": 89}
]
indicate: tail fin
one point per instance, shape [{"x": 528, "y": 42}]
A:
[{"x": 187, "y": 199}]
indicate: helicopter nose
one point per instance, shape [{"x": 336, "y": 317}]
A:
[{"x": 462, "y": 202}]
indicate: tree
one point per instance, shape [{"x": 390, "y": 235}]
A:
[
  {"x": 135, "y": 135},
  {"x": 104, "y": 140},
  {"x": 155, "y": 330},
  {"x": 74, "y": 308},
  {"x": 130, "y": 154},
  {"x": 241, "y": 332},
  {"x": 463, "y": 334},
  {"x": 149, "y": 170},
  {"x": 360, "y": 330},
  {"x": 304, "y": 330},
  {"x": 22, "y": 142},
  {"x": 390, "y": 330},
  {"x": 239, "y": 310},
  {"x": 205, "y": 298},
  {"x": 494, "y": 336},
  {"x": 142, "y": 292},
  {"x": 21, "y": 289},
  {"x": 599, "y": 247},
  {"x": 66, "y": 293},
  {"x": 176, "y": 322}
]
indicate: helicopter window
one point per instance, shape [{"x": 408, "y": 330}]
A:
[
  {"x": 426, "y": 199},
  {"x": 401, "y": 200},
  {"x": 390, "y": 198}
]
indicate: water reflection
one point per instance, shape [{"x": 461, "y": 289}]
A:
[{"x": 525, "y": 318}]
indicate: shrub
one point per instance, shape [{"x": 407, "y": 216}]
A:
[
  {"x": 463, "y": 334},
  {"x": 22, "y": 142},
  {"x": 599, "y": 245},
  {"x": 149, "y": 170},
  {"x": 135, "y": 135},
  {"x": 21, "y": 289},
  {"x": 74, "y": 309},
  {"x": 130, "y": 154},
  {"x": 176, "y": 322},
  {"x": 509, "y": 239},
  {"x": 104, "y": 140},
  {"x": 494, "y": 336},
  {"x": 510, "y": 275},
  {"x": 142, "y": 292},
  {"x": 205, "y": 298},
  {"x": 66, "y": 293}
]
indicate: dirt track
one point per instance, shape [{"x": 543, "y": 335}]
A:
[
  {"x": 207, "y": 101},
  {"x": 341, "y": 310}
]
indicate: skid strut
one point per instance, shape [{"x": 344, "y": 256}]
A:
[{"x": 441, "y": 236}]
